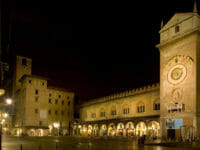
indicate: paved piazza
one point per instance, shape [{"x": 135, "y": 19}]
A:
[{"x": 81, "y": 143}]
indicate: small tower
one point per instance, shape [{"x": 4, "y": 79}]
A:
[{"x": 23, "y": 66}]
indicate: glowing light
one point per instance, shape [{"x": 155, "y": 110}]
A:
[
  {"x": 5, "y": 115},
  {"x": 50, "y": 127},
  {"x": 2, "y": 92},
  {"x": 79, "y": 126},
  {"x": 56, "y": 125},
  {"x": 9, "y": 101}
]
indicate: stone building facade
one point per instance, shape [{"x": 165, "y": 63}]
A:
[
  {"x": 39, "y": 109},
  {"x": 177, "y": 98}
]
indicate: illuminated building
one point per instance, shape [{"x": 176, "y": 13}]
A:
[
  {"x": 169, "y": 110},
  {"x": 38, "y": 108}
]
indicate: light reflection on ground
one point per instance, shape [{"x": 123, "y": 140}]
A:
[{"x": 80, "y": 143}]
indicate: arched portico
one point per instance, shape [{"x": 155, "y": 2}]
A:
[
  {"x": 141, "y": 129},
  {"x": 153, "y": 129},
  {"x": 83, "y": 130},
  {"x": 89, "y": 131},
  {"x": 96, "y": 130},
  {"x": 130, "y": 130},
  {"x": 111, "y": 129},
  {"x": 120, "y": 129},
  {"x": 103, "y": 130}
]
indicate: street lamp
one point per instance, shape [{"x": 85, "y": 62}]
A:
[
  {"x": 8, "y": 101},
  {"x": 56, "y": 125}
]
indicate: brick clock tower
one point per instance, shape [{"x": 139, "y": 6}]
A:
[{"x": 180, "y": 76}]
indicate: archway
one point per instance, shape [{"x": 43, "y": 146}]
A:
[
  {"x": 130, "y": 130},
  {"x": 120, "y": 129},
  {"x": 89, "y": 130},
  {"x": 141, "y": 129},
  {"x": 153, "y": 130},
  {"x": 83, "y": 130},
  {"x": 96, "y": 130},
  {"x": 111, "y": 129},
  {"x": 103, "y": 130}
]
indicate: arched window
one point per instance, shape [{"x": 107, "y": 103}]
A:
[
  {"x": 102, "y": 112},
  {"x": 140, "y": 107},
  {"x": 125, "y": 109},
  {"x": 113, "y": 111},
  {"x": 93, "y": 115},
  {"x": 156, "y": 105}
]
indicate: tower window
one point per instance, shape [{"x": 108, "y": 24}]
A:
[
  {"x": 56, "y": 101},
  {"x": 177, "y": 29},
  {"x": 24, "y": 62},
  {"x": 36, "y": 110},
  {"x": 36, "y": 92},
  {"x": 36, "y": 99}
]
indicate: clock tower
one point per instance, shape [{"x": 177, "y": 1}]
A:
[{"x": 180, "y": 76}]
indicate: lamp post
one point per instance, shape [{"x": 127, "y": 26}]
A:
[{"x": 56, "y": 125}]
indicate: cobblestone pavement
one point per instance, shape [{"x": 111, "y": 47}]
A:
[{"x": 81, "y": 143}]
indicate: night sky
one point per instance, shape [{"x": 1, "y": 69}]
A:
[{"x": 92, "y": 48}]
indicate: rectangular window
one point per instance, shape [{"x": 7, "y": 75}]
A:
[
  {"x": 49, "y": 112},
  {"x": 59, "y": 96},
  {"x": 36, "y": 92},
  {"x": 56, "y": 101},
  {"x": 40, "y": 123},
  {"x": 24, "y": 62},
  {"x": 63, "y": 102},
  {"x": 126, "y": 111},
  {"x": 68, "y": 103},
  {"x": 56, "y": 112},
  {"x": 36, "y": 110},
  {"x": 63, "y": 112},
  {"x": 29, "y": 81},
  {"x": 49, "y": 101},
  {"x": 43, "y": 83},
  {"x": 49, "y": 94},
  {"x": 36, "y": 99}
]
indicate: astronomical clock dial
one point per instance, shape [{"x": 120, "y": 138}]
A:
[
  {"x": 178, "y": 68},
  {"x": 177, "y": 74}
]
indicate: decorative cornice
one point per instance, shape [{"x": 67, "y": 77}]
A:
[{"x": 123, "y": 94}]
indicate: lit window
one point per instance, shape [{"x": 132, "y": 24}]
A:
[
  {"x": 140, "y": 109},
  {"x": 126, "y": 111}
]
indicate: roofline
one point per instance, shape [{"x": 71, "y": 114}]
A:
[{"x": 32, "y": 76}]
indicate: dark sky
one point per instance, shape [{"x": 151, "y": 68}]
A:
[{"x": 93, "y": 48}]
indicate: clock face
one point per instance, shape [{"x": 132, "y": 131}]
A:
[{"x": 177, "y": 74}]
